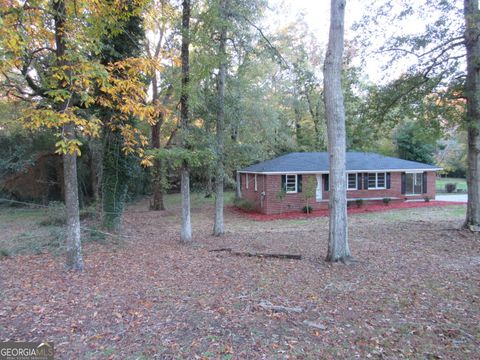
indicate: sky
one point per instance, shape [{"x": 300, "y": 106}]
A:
[{"x": 317, "y": 16}]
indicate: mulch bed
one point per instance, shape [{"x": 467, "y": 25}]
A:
[{"x": 367, "y": 208}]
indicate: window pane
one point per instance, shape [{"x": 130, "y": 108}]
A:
[
  {"x": 409, "y": 178},
  {"x": 381, "y": 180},
  {"x": 418, "y": 183},
  {"x": 372, "y": 180},
  {"x": 352, "y": 181},
  {"x": 291, "y": 184}
]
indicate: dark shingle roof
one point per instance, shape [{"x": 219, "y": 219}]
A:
[{"x": 318, "y": 162}]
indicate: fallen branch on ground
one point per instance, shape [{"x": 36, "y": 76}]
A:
[
  {"x": 261, "y": 255},
  {"x": 315, "y": 325},
  {"x": 267, "y": 305}
]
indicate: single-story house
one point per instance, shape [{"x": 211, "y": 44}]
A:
[{"x": 370, "y": 177}]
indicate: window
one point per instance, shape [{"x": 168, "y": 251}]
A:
[
  {"x": 413, "y": 183},
  {"x": 376, "y": 180},
  {"x": 352, "y": 181},
  {"x": 255, "y": 182},
  {"x": 246, "y": 181},
  {"x": 291, "y": 184}
]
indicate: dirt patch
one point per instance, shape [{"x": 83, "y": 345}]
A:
[{"x": 411, "y": 294}]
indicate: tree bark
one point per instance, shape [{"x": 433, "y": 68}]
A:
[
  {"x": 315, "y": 114},
  {"x": 218, "y": 227},
  {"x": 157, "y": 196},
  {"x": 472, "y": 92},
  {"x": 238, "y": 187},
  {"x": 157, "y": 202},
  {"x": 96, "y": 171},
  {"x": 186, "y": 231},
  {"x": 74, "y": 258},
  {"x": 73, "y": 240},
  {"x": 338, "y": 249}
]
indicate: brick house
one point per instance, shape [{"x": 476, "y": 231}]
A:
[{"x": 371, "y": 177}]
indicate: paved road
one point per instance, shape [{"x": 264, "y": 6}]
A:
[{"x": 452, "y": 197}]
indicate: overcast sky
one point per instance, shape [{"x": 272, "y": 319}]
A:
[{"x": 317, "y": 15}]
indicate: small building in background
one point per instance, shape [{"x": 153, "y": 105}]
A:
[{"x": 275, "y": 186}]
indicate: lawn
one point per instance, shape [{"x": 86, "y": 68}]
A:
[
  {"x": 144, "y": 295},
  {"x": 461, "y": 184}
]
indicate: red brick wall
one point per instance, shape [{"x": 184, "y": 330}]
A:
[
  {"x": 250, "y": 194},
  {"x": 271, "y": 185}
]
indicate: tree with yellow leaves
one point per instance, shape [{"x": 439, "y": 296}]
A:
[{"x": 46, "y": 51}]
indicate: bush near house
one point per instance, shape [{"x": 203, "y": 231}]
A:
[
  {"x": 450, "y": 187},
  {"x": 243, "y": 204},
  {"x": 460, "y": 184}
]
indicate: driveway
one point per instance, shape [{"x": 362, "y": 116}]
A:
[{"x": 452, "y": 197}]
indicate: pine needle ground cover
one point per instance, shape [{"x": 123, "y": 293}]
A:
[{"x": 411, "y": 293}]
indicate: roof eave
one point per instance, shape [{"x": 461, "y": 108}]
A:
[{"x": 326, "y": 172}]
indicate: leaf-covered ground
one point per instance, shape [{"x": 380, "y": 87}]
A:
[{"x": 413, "y": 291}]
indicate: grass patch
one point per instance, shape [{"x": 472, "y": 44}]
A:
[
  {"x": 39, "y": 230},
  {"x": 461, "y": 184},
  {"x": 450, "y": 212}
]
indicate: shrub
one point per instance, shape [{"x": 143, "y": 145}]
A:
[
  {"x": 243, "y": 204},
  {"x": 359, "y": 202},
  {"x": 450, "y": 187},
  {"x": 386, "y": 200},
  {"x": 4, "y": 253},
  {"x": 426, "y": 198},
  {"x": 307, "y": 209}
]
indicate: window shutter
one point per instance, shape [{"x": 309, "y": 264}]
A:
[
  {"x": 365, "y": 181},
  {"x": 388, "y": 181},
  {"x": 404, "y": 185},
  {"x": 284, "y": 182},
  {"x": 359, "y": 181},
  {"x": 299, "y": 183},
  {"x": 424, "y": 180},
  {"x": 326, "y": 182}
]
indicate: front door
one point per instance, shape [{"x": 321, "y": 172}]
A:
[{"x": 318, "y": 196}]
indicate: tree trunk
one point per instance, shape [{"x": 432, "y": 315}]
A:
[
  {"x": 74, "y": 245},
  {"x": 157, "y": 202},
  {"x": 186, "y": 232},
  {"x": 218, "y": 227},
  {"x": 472, "y": 92},
  {"x": 157, "y": 197},
  {"x": 338, "y": 249},
  {"x": 238, "y": 186},
  {"x": 74, "y": 259},
  {"x": 159, "y": 185},
  {"x": 116, "y": 172},
  {"x": 315, "y": 114},
  {"x": 96, "y": 170},
  {"x": 209, "y": 187}
]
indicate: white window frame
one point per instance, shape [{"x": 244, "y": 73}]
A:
[
  {"x": 246, "y": 181},
  {"x": 376, "y": 181},
  {"x": 255, "y": 182},
  {"x": 286, "y": 184},
  {"x": 356, "y": 181}
]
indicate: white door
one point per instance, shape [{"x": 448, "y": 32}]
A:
[{"x": 318, "y": 196}]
